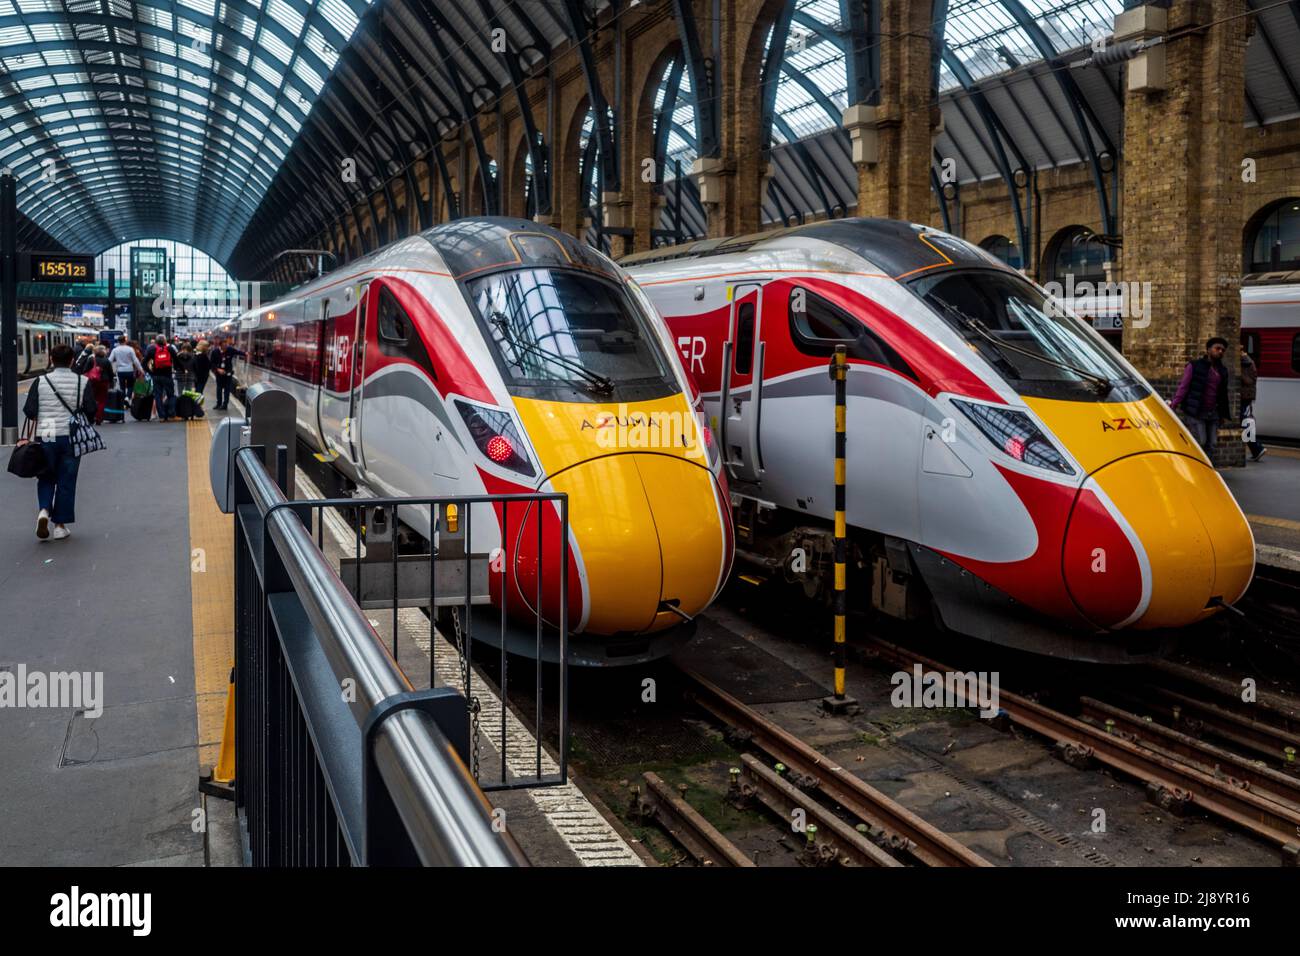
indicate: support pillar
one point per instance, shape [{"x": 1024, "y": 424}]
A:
[
  {"x": 1183, "y": 192},
  {"x": 892, "y": 142}
]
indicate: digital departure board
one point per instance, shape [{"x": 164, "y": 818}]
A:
[{"x": 60, "y": 267}]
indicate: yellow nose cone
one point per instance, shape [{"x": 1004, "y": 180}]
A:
[
  {"x": 1196, "y": 541},
  {"x": 649, "y": 530}
]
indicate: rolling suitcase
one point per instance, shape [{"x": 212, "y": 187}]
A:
[
  {"x": 114, "y": 407},
  {"x": 142, "y": 408},
  {"x": 185, "y": 407}
]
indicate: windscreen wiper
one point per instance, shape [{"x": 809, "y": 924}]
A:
[
  {"x": 594, "y": 379},
  {"x": 1102, "y": 384}
]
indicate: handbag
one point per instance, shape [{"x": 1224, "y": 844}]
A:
[
  {"x": 82, "y": 435},
  {"x": 143, "y": 385},
  {"x": 28, "y": 457}
]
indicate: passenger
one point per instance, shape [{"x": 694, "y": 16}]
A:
[
  {"x": 202, "y": 366},
  {"x": 1249, "y": 384},
  {"x": 101, "y": 376},
  {"x": 160, "y": 360},
  {"x": 1202, "y": 395},
  {"x": 85, "y": 360},
  {"x": 126, "y": 365},
  {"x": 223, "y": 367},
  {"x": 185, "y": 368},
  {"x": 51, "y": 401}
]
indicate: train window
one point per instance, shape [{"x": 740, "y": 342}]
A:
[
  {"x": 744, "y": 360},
  {"x": 1037, "y": 345},
  {"x": 1295, "y": 353},
  {"x": 563, "y": 327},
  {"x": 394, "y": 326},
  {"x": 20, "y": 345},
  {"x": 818, "y": 325}
]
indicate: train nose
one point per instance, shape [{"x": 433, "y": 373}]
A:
[
  {"x": 649, "y": 531},
  {"x": 1190, "y": 546}
]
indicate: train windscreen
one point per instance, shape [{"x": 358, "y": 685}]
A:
[
  {"x": 569, "y": 329},
  {"x": 1038, "y": 346}
]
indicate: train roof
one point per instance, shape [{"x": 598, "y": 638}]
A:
[
  {"x": 484, "y": 244},
  {"x": 898, "y": 247},
  {"x": 1271, "y": 278}
]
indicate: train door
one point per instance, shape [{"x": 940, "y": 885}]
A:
[
  {"x": 321, "y": 378},
  {"x": 24, "y": 349},
  {"x": 742, "y": 385},
  {"x": 358, "y": 366}
]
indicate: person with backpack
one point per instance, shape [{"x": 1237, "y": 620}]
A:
[
  {"x": 100, "y": 376},
  {"x": 51, "y": 401},
  {"x": 160, "y": 360}
]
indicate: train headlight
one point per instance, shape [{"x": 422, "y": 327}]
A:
[
  {"x": 711, "y": 450},
  {"x": 1016, "y": 435},
  {"x": 495, "y": 435}
]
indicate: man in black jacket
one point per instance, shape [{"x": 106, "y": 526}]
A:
[
  {"x": 1203, "y": 395},
  {"x": 223, "y": 368}
]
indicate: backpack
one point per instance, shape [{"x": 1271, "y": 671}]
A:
[{"x": 162, "y": 358}]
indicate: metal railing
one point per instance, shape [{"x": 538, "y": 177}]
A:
[
  {"x": 339, "y": 760},
  {"x": 457, "y": 576}
]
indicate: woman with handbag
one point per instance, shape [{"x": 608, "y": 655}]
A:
[{"x": 60, "y": 403}]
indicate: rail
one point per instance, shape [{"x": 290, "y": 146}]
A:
[{"x": 340, "y": 760}]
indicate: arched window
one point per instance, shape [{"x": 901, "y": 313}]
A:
[
  {"x": 1273, "y": 238},
  {"x": 1004, "y": 249},
  {"x": 1077, "y": 252}
]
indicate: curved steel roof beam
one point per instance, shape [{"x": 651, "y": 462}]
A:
[{"x": 1074, "y": 98}]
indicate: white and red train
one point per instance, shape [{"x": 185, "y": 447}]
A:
[
  {"x": 1008, "y": 470},
  {"x": 491, "y": 356},
  {"x": 1270, "y": 334}
]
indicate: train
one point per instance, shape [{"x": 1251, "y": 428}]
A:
[
  {"x": 1270, "y": 335},
  {"x": 36, "y": 338},
  {"x": 497, "y": 356},
  {"x": 1010, "y": 477}
]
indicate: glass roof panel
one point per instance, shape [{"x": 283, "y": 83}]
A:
[
  {"x": 986, "y": 38},
  {"x": 216, "y": 91}
]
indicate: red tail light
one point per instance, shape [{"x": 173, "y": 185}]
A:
[{"x": 499, "y": 449}]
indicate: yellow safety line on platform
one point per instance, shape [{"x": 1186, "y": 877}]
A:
[
  {"x": 212, "y": 595},
  {"x": 1274, "y": 522}
]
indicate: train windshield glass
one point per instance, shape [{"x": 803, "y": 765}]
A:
[
  {"x": 555, "y": 327},
  {"x": 1039, "y": 347}
]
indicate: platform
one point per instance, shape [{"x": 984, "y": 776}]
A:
[
  {"x": 115, "y": 601},
  {"x": 141, "y": 598},
  {"x": 1269, "y": 492}
]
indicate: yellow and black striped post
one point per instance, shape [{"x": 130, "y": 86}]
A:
[{"x": 839, "y": 374}]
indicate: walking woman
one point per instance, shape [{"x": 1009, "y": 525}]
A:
[
  {"x": 202, "y": 367},
  {"x": 54, "y": 398}
]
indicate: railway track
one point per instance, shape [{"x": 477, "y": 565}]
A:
[
  {"x": 1180, "y": 772},
  {"x": 888, "y": 833}
]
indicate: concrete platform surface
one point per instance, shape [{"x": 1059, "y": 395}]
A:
[
  {"x": 1269, "y": 492},
  {"x": 112, "y": 602}
]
